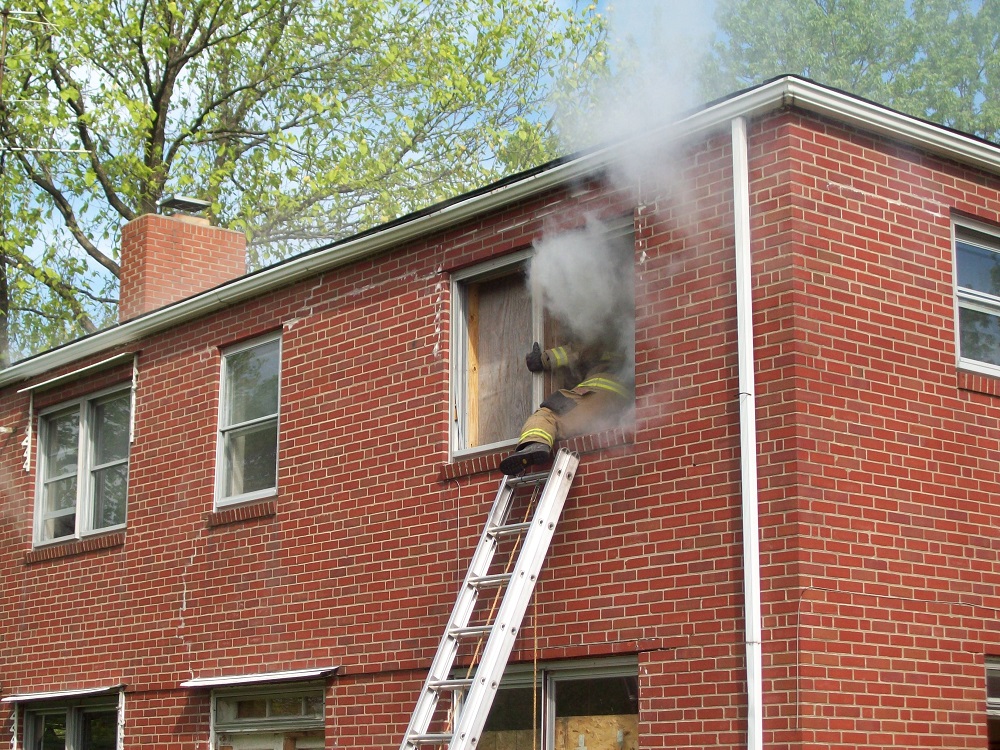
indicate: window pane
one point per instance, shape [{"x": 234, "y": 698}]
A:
[
  {"x": 314, "y": 705},
  {"x": 599, "y": 714},
  {"x": 110, "y": 489},
  {"x": 509, "y": 726},
  {"x": 993, "y": 683},
  {"x": 99, "y": 730},
  {"x": 60, "y": 526},
  {"x": 60, "y": 495},
  {"x": 111, "y": 422},
  {"x": 978, "y": 268},
  {"x": 251, "y": 709},
  {"x": 979, "y": 335},
  {"x": 286, "y": 707},
  {"x": 62, "y": 443},
  {"x": 252, "y": 383},
  {"x": 251, "y": 458},
  {"x": 51, "y": 732}
]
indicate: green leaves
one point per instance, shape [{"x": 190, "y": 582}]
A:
[
  {"x": 301, "y": 121},
  {"x": 936, "y": 59}
]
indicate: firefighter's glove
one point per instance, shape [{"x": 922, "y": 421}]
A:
[{"x": 533, "y": 359}]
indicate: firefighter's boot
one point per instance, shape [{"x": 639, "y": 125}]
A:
[{"x": 525, "y": 456}]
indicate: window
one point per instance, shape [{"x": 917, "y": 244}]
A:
[
  {"x": 977, "y": 261},
  {"x": 83, "y": 466},
  {"x": 593, "y": 706},
  {"x": 248, "y": 421},
  {"x": 87, "y": 725},
  {"x": 269, "y": 718},
  {"x": 993, "y": 703},
  {"x": 496, "y": 322},
  {"x": 497, "y": 316}
]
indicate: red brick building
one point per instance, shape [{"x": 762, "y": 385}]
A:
[{"x": 239, "y": 518}]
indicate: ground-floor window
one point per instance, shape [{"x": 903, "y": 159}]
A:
[
  {"x": 269, "y": 717},
  {"x": 88, "y": 725},
  {"x": 594, "y": 706},
  {"x": 993, "y": 703}
]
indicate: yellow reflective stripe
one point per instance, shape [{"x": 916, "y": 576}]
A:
[
  {"x": 560, "y": 356},
  {"x": 537, "y": 436},
  {"x": 603, "y": 384}
]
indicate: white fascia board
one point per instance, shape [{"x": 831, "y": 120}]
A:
[
  {"x": 57, "y": 695},
  {"x": 787, "y": 91},
  {"x": 253, "y": 679}
]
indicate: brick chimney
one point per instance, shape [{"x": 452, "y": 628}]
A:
[{"x": 169, "y": 258}]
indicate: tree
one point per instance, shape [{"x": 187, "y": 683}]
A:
[
  {"x": 935, "y": 59},
  {"x": 301, "y": 121}
]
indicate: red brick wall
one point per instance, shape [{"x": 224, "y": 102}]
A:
[
  {"x": 879, "y": 549},
  {"x": 878, "y": 461},
  {"x": 169, "y": 258}
]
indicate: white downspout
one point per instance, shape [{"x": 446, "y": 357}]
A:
[{"x": 748, "y": 437}]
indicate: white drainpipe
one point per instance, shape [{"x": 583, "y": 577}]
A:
[{"x": 748, "y": 438}]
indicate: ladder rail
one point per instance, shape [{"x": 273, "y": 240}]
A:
[
  {"x": 508, "y": 624},
  {"x": 516, "y": 584}
]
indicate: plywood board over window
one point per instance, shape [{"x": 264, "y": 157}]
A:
[{"x": 499, "y": 394}]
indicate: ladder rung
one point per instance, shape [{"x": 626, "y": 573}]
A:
[
  {"x": 490, "y": 582},
  {"x": 536, "y": 478},
  {"x": 510, "y": 529},
  {"x": 470, "y": 631},
  {"x": 455, "y": 684},
  {"x": 429, "y": 739}
]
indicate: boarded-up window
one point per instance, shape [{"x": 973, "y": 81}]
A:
[{"x": 498, "y": 387}]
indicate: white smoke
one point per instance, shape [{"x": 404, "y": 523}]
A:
[{"x": 581, "y": 278}]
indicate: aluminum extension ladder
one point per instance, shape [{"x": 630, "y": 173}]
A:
[{"x": 451, "y": 712}]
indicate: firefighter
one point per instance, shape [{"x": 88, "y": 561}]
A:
[{"x": 596, "y": 403}]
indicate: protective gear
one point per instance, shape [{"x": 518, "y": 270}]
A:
[
  {"x": 525, "y": 456},
  {"x": 596, "y": 404},
  {"x": 533, "y": 359}
]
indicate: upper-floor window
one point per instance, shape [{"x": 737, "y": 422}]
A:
[
  {"x": 248, "y": 421},
  {"x": 500, "y": 311},
  {"x": 977, "y": 263},
  {"x": 495, "y": 322},
  {"x": 83, "y": 466}
]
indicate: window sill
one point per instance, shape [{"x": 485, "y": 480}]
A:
[
  {"x": 75, "y": 547},
  {"x": 978, "y": 383},
  {"x": 582, "y": 444},
  {"x": 241, "y": 513}
]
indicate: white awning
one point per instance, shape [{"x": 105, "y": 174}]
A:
[
  {"x": 104, "y": 364},
  {"x": 250, "y": 679},
  {"x": 56, "y": 695}
]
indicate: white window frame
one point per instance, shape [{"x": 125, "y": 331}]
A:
[
  {"x": 224, "y": 427},
  {"x": 986, "y": 237},
  {"x": 550, "y": 674},
  {"x": 85, "y": 467},
  {"x": 74, "y": 711},
  {"x": 233, "y": 731},
  {"x": 460, "y": 355}
]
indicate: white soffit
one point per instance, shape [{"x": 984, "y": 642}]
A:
[
  {"x": 57, "y": 695},
  {"x": 252, "y": 679}
]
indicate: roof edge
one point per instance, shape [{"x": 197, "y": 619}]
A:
[{"x": 785, "y": 91}]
